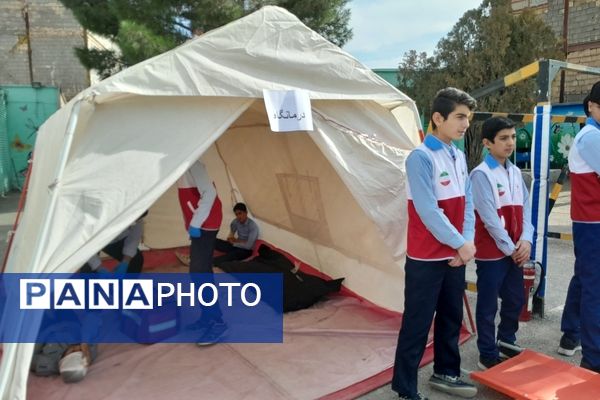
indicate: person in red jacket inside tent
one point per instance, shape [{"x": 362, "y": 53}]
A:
[{"x": 202, "y": 214}]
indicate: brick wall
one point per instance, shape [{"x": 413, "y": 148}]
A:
[
  {"x": 577, "y": 86},
  {"x": 54, "y": 33},
  {"x": 583, "y": 39},
  {"x": 539, "y": 6}
]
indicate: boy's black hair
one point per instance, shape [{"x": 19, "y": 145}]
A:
[
  {"x": 447, "y": 99},
  {"x": 493, "y": 125},
  {"x": 240, "y": 207},
  {"x": 593, "y": 96}
]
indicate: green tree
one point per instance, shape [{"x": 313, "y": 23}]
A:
[
  {"x": 486, "y": 44},
  {"x": 145, "y": 28}
]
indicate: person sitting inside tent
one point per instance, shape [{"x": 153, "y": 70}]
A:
[
  {"x": 123, "y": 248},
  {"x": 240, "y": 247}
]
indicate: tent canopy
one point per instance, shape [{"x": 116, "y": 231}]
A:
[{"x": 333, "y": 197}]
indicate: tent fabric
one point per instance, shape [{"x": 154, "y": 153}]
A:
[
  {"x": 334, "y": 196},
  {"x": 313, "y": 361},
  {"x": 269, "y": 49}
]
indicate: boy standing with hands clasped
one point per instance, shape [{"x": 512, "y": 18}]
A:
[
  {"x": 440, "y": 243},
  {"x": 503, "y": 237},
  {"x": 581, "y": 315}
]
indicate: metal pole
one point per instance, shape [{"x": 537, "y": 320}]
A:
[
  {"x": 565, "y": 36},
  {"x": 25, "y": 12}
]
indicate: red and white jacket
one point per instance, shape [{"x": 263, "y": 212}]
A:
[
  {"x": 198, "y": 199},
  {"x": 585, "y": 183},
  {"x": 507, "y": 190},
  {"x": 449, "y": 183}
]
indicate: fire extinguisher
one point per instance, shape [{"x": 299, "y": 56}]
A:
[{"x": 528, "y": 287}]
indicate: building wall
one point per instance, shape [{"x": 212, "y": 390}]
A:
[
  {"x": 54, "y": 33},
  {"x": 583, "y": 39},
  {"x": 577, "y": 85}
]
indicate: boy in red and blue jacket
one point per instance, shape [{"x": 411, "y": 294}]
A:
[
  {"x": 440, "y": 243},
  {"x": 503, "y": 237},
  {"x": 581, "y": 315}
]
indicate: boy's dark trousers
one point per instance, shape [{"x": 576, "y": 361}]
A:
[
  {"x": 201, "y": 261},
  {"x": 201, "y": 252},
  {"x": 430, "y": 287},
  {"x": 586, "y": 241},
  {"x": 499, "y": 278},
  {"x": 232, "y": 253},
  {"x": 570, "y": 323}
]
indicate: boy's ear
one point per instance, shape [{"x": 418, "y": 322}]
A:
[
  {"x": 487, "y": 143},
  {"x": 437, "y": 118}
]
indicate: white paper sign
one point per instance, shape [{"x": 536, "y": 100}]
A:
[{"x": 288, "y": 110}]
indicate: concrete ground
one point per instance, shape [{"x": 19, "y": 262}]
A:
[{"x": 541, "y": 335}]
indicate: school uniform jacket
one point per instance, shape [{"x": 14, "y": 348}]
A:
[
  {"x": 440, "y": 211},
  {"x": 585, "y": 182},
  {"x": 198, "y": 199},
  {"x": 502, "y": 213}
]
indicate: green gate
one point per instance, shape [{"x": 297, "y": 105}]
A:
[{"x": 23, "y": 109}]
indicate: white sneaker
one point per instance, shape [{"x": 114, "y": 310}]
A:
[
  {"x": 73, "y": 367},
  {"x": 452, "y": 385},
  {"x": 568, "y": 347}
]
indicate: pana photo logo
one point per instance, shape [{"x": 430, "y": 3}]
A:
[
  {"x": 134, "y": 294},
  {"x": 141, "y": 308}
]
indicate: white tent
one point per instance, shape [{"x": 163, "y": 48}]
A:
[{"x": 333, "y": 197}]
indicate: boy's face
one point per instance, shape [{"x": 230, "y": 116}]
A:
[
  {"x": 594, "y": 110},
  {"x": 241, "y": 216},
  {"x": 453, "y": 127},
  {"x": 503, "y": 145}
]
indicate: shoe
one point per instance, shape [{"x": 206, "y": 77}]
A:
[
  {"x": 486, "y": 363},
  {"x": 568, "y": 346},
  {"x": 419, "y": 396},
  {"x": 509, "y": 350},
  {"x": 452, "y": 385},
  {"x": 73, "y": 367},
  {"x": 213, "y": 334},
  {"x": 585, "y": 365}
]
